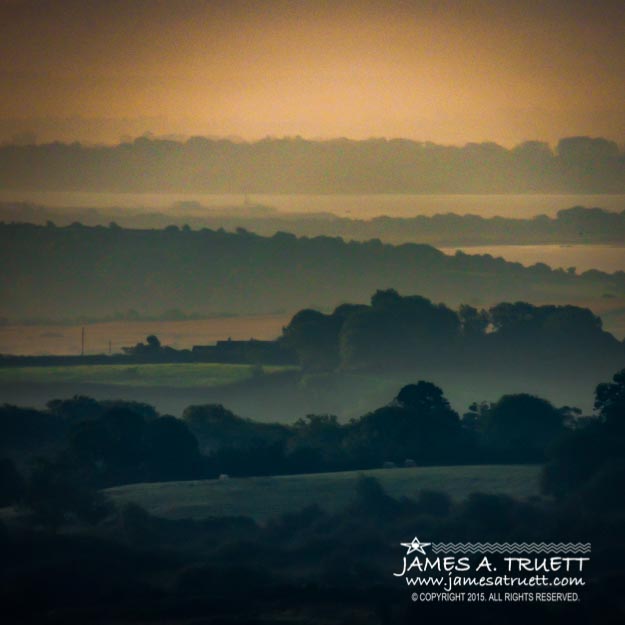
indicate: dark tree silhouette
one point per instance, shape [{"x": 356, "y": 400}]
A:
[
  {"x": 171, "y": 450},
  {"x": 422, "y": 397},
  {"x": 610, "y": 400},
  {"x": 314, "y": 337},
  {"x": 11, "y": 483},
  {"x": 520, "y": 428},
  {"x": 57, "y": 493},
  {"x": 592, "y": 456},
  {"x": 419, "y": 424}
]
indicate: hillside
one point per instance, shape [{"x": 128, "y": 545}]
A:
[
  {"x": 265, "y": 497},
  {"x": 51, "y": 272}
]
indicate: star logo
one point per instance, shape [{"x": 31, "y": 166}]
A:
[{"x": 415, "y": 545}]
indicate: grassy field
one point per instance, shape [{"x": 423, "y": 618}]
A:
[
  {"x": 266, "y": 497},
  {"x": 176, "y": 375}
]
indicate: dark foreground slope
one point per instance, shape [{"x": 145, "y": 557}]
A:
[{"x": 71, "y": 555}]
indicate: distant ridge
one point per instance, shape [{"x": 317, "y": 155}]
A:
[
  {"x": 49, "y": 271},
  {"x": 576, "y": 225},
  {"x": 296, "y": 165}
]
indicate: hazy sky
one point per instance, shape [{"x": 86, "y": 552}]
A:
[{"x": 441, "y": 70}]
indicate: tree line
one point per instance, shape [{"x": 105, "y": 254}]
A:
[
  {"x": 573, "y": 225},
  {"x": 60, "y": 272},
  {"x": 296, "y": 165},
  {"x": 402, "y": 332},
  {"x": 111, "y": 443}
]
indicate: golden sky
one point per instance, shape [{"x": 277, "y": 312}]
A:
[{"x": 440, "y": 70}]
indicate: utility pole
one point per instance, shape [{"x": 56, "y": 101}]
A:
[
  {"x": 110, "y": 347},
  {"x": 82, "y": 341}
]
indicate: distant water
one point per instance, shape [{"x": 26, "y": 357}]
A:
[
  {"x": 607, "y": 258},
  {"x": 352, "y": 206}
]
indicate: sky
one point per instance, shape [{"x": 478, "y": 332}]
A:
[{"x": 441, "y": 70}]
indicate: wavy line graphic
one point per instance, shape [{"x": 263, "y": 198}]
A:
[{"x": 511, "y": 547}]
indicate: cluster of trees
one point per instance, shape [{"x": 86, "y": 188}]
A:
[
  {"x": 103, "y": 444},
  {"x": 577, "y": 224},
  {"x": 590, "y": 459},
  {"x": 95, "y": 271},
  {"x": 418, "y": 427},
  {"x": 397, "y": 331},
  {"x": 153, "y": 351},
  {"x": 578, "y": 164}
]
